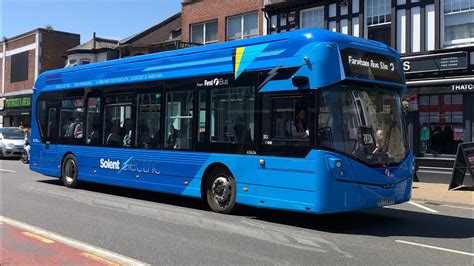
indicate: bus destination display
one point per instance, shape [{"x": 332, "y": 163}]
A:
[{"x": 362, "y": 64}]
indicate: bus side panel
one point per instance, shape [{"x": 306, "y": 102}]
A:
[
  {"x": 282, "y": 183},
  {"x": 155, "y": 170}
]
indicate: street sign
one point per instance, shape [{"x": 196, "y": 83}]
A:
[{"x": 464, "y": 162}]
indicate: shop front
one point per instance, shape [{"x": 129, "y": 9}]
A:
[
  {"x": 440, "y": 104},
  {"x": 16, "y": 111}
]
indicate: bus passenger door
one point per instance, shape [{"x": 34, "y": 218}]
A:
[{"x": 48, "y": 154}]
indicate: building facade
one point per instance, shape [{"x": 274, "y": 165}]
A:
[
  {"x": 211, "y": 21},
  {"x": 95, "y": 50},
  {"x": 163, "y": 36},
  {"x": 436, "y": 41},
  {"x": 23, "y": 58}
]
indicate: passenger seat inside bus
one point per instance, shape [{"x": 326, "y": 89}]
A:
[{"x": 114, "y": 139}]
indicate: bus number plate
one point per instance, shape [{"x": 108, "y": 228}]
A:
[{"x": 385, "y": 202}]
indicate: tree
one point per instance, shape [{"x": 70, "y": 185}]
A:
[{"x": 49, "y": 27}]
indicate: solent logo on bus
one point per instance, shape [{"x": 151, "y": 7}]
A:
[{"x": 130, "y": 165}]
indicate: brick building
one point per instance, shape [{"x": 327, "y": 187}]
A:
[
  {"x": 209, "y": 21},
  {"x": 23, "y": 58}
]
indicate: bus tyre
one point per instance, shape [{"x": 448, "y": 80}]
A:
[
  {"x": 221, "y": 191},
  {"x": 69, "y": 171}
]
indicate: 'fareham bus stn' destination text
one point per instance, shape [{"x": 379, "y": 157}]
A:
[{"x": 371, "y": 64}]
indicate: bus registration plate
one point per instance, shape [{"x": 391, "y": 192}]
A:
[{"x": 385, "y": 202}]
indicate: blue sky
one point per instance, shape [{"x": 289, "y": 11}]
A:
[{"x": 115, "y": 19}]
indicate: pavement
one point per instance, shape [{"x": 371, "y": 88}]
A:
[
  {"x": 439, "y": 194},
  {"x": 22, "y": 247}
]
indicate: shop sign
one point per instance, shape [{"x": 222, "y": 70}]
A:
[
  {"x": 463, "y": 87},
  {"x": 435, "y": 63},
  {"x": 2, "y": 103},
  {"x": 182, "y": 45},
  {"x": 18, "y": 102}
]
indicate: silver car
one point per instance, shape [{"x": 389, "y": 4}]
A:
[{"x": 12, "y": 142}]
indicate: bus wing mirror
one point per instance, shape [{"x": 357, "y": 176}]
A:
[{"x": 300, "y": 81}]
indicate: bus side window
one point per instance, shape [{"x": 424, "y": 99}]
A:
[
  {"x": 93, "y": 121},
  {"x": 41, "y": 115},
  {"x": 179, "y": 120},
  {"x": 149, "y": 121},
  {"x": 52, "y": 124},
  {"x": 119, "y": 127},
  {"x": 72, "y": 120}
]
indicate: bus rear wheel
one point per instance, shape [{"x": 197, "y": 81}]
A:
[
  {"x": 69, "y": 171},
  {"x": 221, "y": 191}
]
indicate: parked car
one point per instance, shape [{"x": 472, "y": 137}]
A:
[{"x": 12, "y": 142}]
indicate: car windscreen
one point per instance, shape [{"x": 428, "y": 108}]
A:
[{"x": 12, "y": 133}]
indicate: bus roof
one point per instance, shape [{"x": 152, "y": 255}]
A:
[{"x": 282, "y": 50}]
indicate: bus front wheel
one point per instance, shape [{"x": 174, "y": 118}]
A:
[
  {"x": 69, "y": 171},
  {"x": 221, "y": 191}
]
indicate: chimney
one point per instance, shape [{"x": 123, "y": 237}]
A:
[{"x": 93, "y": 41}]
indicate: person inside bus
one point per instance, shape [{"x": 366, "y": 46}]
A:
[
  {"x": 242, "y": 134},
  {"x": 379, "y": 142},
  {"x": 94, "y": 135},
  {"x": 144, "y": 138},
  {"x": 299, "y": 129},
  {"x": 65, "y": 128}
]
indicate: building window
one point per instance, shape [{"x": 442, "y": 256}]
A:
[
  {"x": 19, "y": 67},
  {"x": 242, "y": 26},
  {"x": 204, "y": 33},
  {"x": 85, "y": 61},
  {"x": 378, "y": 12},
  {"x": 458, "y": 22},
  {"x": 378, "y": 20},
  {"x": 312, "y": 18},
  {"x": 441, "y": 123}
]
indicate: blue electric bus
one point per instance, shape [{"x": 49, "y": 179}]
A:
[{"x": 306, "y": 121}]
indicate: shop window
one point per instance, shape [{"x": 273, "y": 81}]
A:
[
  {"x": 242, "y": 26},
  {"x": 204, "y": 33},
  {"x": 312, "y": 18},
  {"x": 441, "y": 123},
  {"x": 149, "y": 121},
  {"x": 19, "y": 67},
  {"x": 458, "y": 22}
]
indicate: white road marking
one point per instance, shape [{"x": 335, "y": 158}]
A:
[
  {"x": 458, "y": 207},
  {"x": 422, "y": 207},
  {"x": 433, "y": 247},
  {"x": 6, "y": 170},
  {"x": 115, "y": 257}
]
